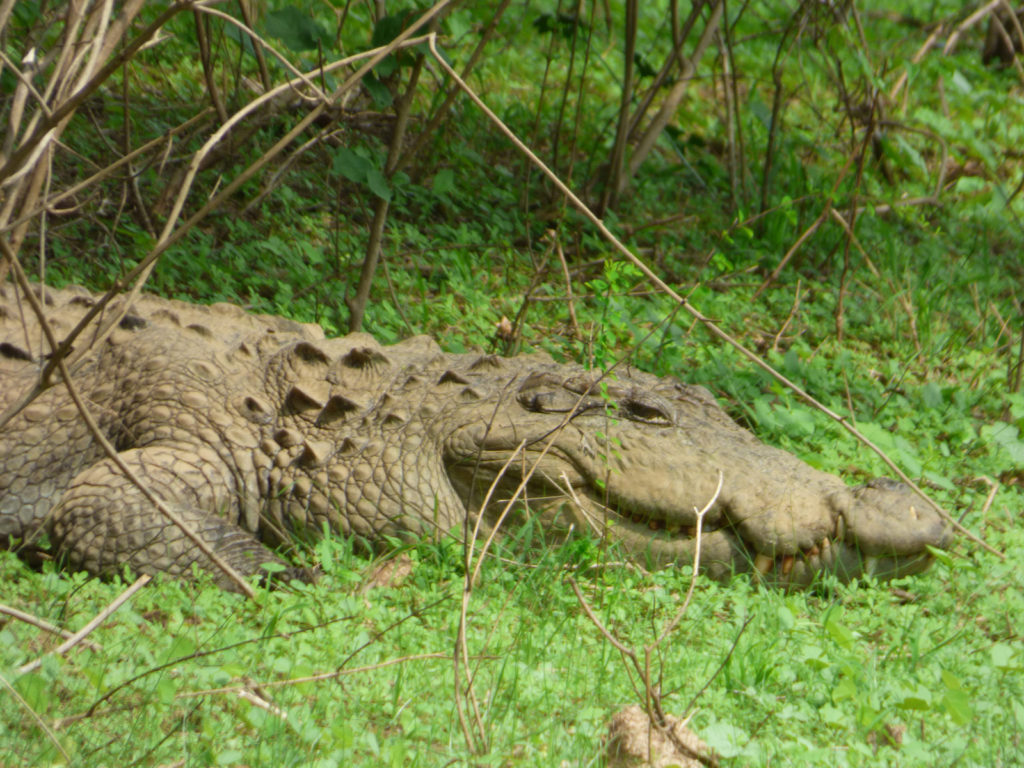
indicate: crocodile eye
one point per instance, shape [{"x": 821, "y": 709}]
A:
[
  {"x": 534, "y": 401},
  {"x": 644, "y": 410},
  {"x": 547, "y": 401}
]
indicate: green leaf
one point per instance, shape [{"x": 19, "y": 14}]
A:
[
  {"x": 940, "y": 481},
  {"x": 942, "y": 556},
  {"x": 895, "y": 445},
  {"x": 915, "y": 697},
  {"x": 379, "y": 92},
  {"x": 791, "y": 362},
  {"x": 1006, "y": 437},
  {"x": 244, "y": 41},
  {"x": 798, "y": 421},
  {"x": 1016, "y": 402},
  {"x": 726, "y": 739},
  {"x": 786, "y": 618},
  {"x": 34, "y": 690},
  {"x": 165, "y": 690},
  {"x": 961, "y": 83},
  {"x": 390, "y": 27},
  {"x": 931, "y": 395},
  {"x": 951, "y": 681},
  {"x": 350, "y": 165},
  {"x": 833, "y": 716},
  {"x": 444, "y": 181},
  {"x": 1004, "y": 656},
  {"x": 297, "y": 30},
  {"x": 761, "y": 111},
  {"x": 378, "y": 184},
  {"x": 180, "y": 647},
  {"x": 840, "y": 633},
  {"x": 230, "y": 757},
  {"x": 846, "y": 688},
  {"x": 957, "y": 704},
  {"x": 910, "y": 152}
]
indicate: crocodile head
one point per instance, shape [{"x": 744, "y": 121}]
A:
[{"x": 635, "y": 457}]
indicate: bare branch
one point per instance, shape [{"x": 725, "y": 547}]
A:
[{"x": 98, "y": 619}]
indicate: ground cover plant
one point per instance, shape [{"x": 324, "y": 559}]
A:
[{"x": 837, "y": 187}]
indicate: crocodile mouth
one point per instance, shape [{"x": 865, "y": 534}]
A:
[
  {"x": 569, "y": 504},
  {"x": 725, "y": 551}
]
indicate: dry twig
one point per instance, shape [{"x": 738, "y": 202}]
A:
[
  {"x": 98, "y": 619},
  {"x": 35, "y": 621}
]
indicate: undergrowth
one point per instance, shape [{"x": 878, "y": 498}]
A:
[{"x": 912, "y": 332}]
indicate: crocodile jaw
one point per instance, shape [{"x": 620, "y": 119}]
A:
[{"x": 566, "y": 501}]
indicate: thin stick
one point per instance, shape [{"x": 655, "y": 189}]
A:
[
  {"x": 652, "y": 698},
  {"x": 969, "y": 22},
  {"x": 712, "y": 328},
  {"x": 262, "y": 703},
  {"x": 333, "y": 675},
  {"x": 48, "y": 129},
  {"x": 623, "y": 649},
  {"x": 991, "y": 496},
  {"x": 675, "y": 95},
  {"x": 568, "y": 286},
  {"x": 789, "y": 318},
  {"x": 100, "y": 617},
  {"x": 35, "y": 621},
  {"x": 793, "y": 249},
  {"x": 696, "y": 564},
  {"x": 925, "y": 47}
]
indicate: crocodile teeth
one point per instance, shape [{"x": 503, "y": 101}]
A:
[
  {"x": 787, "y": 564},
  {"x": 764, "y": 563}
]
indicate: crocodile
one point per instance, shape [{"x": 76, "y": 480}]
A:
[{"x": 259, "y": 431}]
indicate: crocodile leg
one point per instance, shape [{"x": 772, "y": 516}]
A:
[{"x": 104, "y": 521}]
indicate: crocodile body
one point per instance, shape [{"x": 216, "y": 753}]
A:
[{"x": 257, "y": 430}]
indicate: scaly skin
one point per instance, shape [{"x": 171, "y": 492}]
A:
[{"x": 256, "y": 430}]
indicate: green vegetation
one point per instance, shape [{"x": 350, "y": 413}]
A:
[{"x": 861, "y": 233}]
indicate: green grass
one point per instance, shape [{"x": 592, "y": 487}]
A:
[
  {"x": 811, "y": 676},
  {"x": 931, "y": 328}
]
